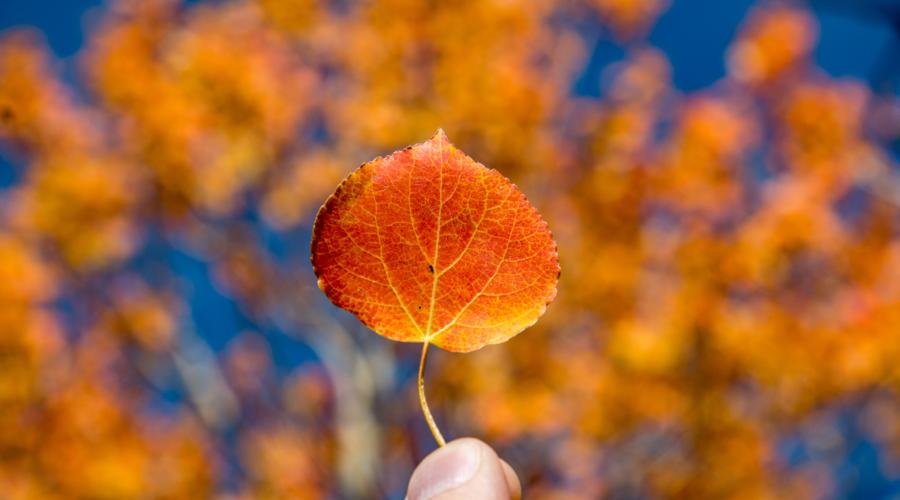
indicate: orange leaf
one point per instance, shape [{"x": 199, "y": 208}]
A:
[{"x": 426, "y": 245}]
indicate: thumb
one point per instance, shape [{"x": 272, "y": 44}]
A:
[{"x": 464, "y": 469}]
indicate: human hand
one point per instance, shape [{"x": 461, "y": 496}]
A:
[{"x": 464, "y": 469}]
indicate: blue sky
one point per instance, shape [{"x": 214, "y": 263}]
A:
[
  {"x": 851, "y": 42},
  {"x": 694, "y": 34}
]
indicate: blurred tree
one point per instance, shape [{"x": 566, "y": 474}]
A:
[{"x": 728, "y": 316}]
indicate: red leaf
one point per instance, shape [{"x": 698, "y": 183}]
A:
[{"x": 426, "y": 245}]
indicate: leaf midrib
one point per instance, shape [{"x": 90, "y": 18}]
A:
[{"x": 437, "y": 240}]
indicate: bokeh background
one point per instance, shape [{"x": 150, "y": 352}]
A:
[{"x": 721, "y": 177}]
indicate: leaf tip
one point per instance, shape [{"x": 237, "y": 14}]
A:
[{"x": 440, "y": 135}]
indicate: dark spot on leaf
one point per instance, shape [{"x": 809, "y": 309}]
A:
[{"x": 430, "y": 269}]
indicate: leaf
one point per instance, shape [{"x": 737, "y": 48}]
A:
[{"x": 427, "y": 245}]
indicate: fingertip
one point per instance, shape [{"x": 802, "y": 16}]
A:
[
  {"x": 512, "y": 480},
  {"x": 463, "y": 469}
]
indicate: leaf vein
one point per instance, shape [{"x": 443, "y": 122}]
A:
[
  {"x": 471, "y": 239},
  {"x": 437, "y": 238},
  {"x": 360, "y": 276},
  {"x": 495, "y": 325},
  {"x": 409, "y": 206},
  {"x": 486, "y": 285},
  {"x": 387, "y": 273}
]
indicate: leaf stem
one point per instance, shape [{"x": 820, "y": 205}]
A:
[{"x": 424, "y": 404}]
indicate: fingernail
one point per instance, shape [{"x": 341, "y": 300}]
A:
[{"x": 448, "y": 468}]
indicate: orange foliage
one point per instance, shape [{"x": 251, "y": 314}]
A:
[{"x": 731, "y": 257}]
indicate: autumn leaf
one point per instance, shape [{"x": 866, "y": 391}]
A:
[{"x": 427, "y": 245}]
